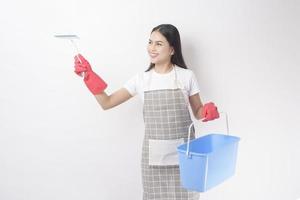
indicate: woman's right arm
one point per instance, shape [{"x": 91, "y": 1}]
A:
[
  {"x": 97, "y": 85},
  {"x": 110, "y": 101}
]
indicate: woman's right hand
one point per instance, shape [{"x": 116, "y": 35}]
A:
[
  {"x": 92, "y": 80},
  {"x": 81, "y": 65}
]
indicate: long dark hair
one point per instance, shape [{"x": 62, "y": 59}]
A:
[{"x": 171, "y": 33}]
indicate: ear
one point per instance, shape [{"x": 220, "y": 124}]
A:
[{"x": 172, "y": 52}]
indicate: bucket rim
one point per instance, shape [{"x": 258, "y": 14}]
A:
[
  {"x": 220, "y": 134},
  {"x": 193, "y": 153},
  {"x": 179, "y": 150}
]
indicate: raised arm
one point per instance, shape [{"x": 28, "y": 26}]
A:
[
  {"x": 97, "y": 85},
  {"x": 110, "y": 101}
]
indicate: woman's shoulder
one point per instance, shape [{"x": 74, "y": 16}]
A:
[{"x": 184, "y": 72}]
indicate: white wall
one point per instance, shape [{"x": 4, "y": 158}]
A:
[{"x": 57, "y": 143}]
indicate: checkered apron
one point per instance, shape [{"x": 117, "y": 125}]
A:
[{"x": 166, "y": 117}]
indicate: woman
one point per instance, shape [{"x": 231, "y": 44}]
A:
[{"x": 166, "y": 88}]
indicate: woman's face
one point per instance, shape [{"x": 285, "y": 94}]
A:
[{"x": 159, "y": 48}]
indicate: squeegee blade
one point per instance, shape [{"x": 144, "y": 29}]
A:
[{"x": 65, "y": 36}]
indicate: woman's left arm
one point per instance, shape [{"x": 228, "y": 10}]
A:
[{"x": 196, "y": 105}]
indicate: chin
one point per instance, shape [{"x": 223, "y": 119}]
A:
[{"x": 154, "y": 61}]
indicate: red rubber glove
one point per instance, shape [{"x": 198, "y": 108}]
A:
[
  {"x": 93, "y": 82},
  {"x": 209, "y": 112}
]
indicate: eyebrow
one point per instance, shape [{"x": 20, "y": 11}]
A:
[{"x": 157, "y": 41}]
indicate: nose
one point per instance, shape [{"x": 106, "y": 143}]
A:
[{"x": 151, "y": 48}]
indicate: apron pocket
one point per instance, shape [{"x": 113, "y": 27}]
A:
[{"x": 164, "y": 152}]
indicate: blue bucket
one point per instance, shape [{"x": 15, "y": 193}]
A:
[{"x": 207, "y": 161}]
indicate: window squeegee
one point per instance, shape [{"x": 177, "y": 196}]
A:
[{"x": 71, "y": 38}]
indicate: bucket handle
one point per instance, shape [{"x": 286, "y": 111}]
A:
[{"x": 192, "y": 124}]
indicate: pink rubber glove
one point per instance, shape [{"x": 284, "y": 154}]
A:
[
  {"x": 209, "y": 112},
  {"x": 93, "y": 82}
]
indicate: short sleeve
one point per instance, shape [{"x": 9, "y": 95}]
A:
[
  {"x": 131, "y": 85},
  {"x": 194, "y": 87}
]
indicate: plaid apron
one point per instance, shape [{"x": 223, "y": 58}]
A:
[{"x": 166, "y": 117}]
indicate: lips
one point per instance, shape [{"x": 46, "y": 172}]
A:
[{"x": 153, "y": 55}]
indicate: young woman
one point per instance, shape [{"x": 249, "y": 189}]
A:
[{"x": 167, "y": 88}]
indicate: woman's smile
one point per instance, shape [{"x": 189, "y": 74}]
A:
[{"x": 153, "y": 55}]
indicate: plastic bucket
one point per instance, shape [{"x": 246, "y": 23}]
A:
[{"x": 207, "y": 161}]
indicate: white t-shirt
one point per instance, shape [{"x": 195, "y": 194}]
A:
[{"x": 152, "y": 80}]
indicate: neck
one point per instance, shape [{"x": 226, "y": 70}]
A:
[{"x": 163, "y": 68}]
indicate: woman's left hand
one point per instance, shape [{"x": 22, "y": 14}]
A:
[{"x": 209, "y": 112}]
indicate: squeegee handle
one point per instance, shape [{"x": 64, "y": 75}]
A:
[
  {"x": 76, "y": 48},
  {"x": 78, "y": 58}
]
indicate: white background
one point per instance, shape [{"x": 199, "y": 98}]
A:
[{"x": 57, "y": 143}]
